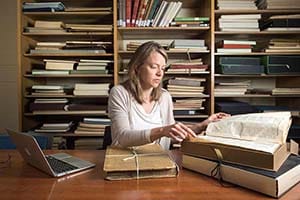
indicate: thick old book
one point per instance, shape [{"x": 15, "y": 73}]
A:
[
  {"x": 270, "y": 183},
  {"x": 147, "y": 161},
  {"x": 257, "y": 140}
]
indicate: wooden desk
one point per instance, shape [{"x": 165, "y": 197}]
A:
[{"x": 21, "y": 181}]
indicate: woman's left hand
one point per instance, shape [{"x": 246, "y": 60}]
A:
[{"x": 217, "y": 116}]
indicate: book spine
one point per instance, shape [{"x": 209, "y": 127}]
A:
[
  {"x": 135, "y": 12},
  {"x": 148, "y": 9},
  {"x": 191, "y": 19},
  {"x": 128, "y": 12},
  {"x": 143, "y": 11},
  {"x": 152, "y": 12}
]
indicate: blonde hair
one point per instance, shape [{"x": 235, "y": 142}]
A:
[{"x": 133, "y": 84}]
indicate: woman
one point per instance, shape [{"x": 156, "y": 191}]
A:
[{"x": 141, "y": 111}]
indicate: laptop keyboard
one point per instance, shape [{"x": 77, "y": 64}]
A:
[{"x": 59, "y": 166}]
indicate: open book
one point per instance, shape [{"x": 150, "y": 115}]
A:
[{"x": 259, "y": 131}]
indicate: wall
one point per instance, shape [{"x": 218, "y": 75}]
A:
[{"x": 8, "y": 66}]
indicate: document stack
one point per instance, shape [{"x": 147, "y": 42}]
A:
[
  {"x": 91, "y": 89},
  {"x": 249, "y": 150},
  {"x": 92, "y": 126},
  {"x": 243, "y": 22}
]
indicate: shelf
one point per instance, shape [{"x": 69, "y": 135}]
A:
[
  {"x": 58, "y": 112},
  {"x": 70, "y": 76},
  {"x": 255, "y": 54},
  {"x": 190, "y": 96},
  {"x": 52, "y": 14},
  {"x": 70, "y": 17},
  {"x": 256, "y": 32},
  {"x": 69, "y": 34},
  {"x": 188, "y": 74},
  {"x": 65, "y": 96},
  {"x": 245, "y": 96},
  {"x": 258, "y": 96},
  {"x": 170, "y": 52},
  {"x": 68, "y": 55},
  {"x": 257, "y": 75},
  {"x": 155, "y": 29},
  {"x": 236, "y": 11}
]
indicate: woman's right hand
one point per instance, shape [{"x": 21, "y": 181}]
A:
[{"x": 178, "y": 132}]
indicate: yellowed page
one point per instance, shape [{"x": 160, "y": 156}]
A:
[{"x": 260, "y": 127}]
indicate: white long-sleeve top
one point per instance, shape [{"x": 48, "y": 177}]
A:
[{"x": 131, "y": 126}]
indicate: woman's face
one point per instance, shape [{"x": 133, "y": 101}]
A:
[{"x": 152, "y": 71}]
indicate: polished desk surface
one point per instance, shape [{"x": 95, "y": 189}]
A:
[{"x": 21, "y": 181}]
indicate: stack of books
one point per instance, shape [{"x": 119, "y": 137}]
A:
[
  {"x": 91, "y": 89},
  {"x": 132, "y": 45},
  {"x": 282, "y": 23},
  {"x": 43, "y": 6},
  {"x": 89, "y": 28},
  {"x": 231, "y": 88},
  {"x": 55, "y": 68},
  {"x": 278, "y": 4},
  {"x": 283, "y": 46},
  {"x": 286, "y": 91},
  {"x": 80, "y": 47},
  {"x": 92, "y": 126},
  {"x": 236, "y": 5},
  {"x": 190, "y": 22},
  {"x": 47, "y": 47},
  {"x": 47, "y": 90},
  {"x": 239, "y": 23},
  {"x": 54, "y": 127},
  {"x": 188, "y": 106},
  {"x": 41, "y": 26},
  {"x": 235, "y": 46},
  {"x": 189, "y": 45},
  {"x": 88, "y": 143},
  {"x": 186, "y": 87},
  {"x": 59, "y": 65},
  {"x": 52, "y": 104},
  {"x": 248, "y": 150},
  {"x": 187, "y": 67},
  {"x": 88, "y": 66}
]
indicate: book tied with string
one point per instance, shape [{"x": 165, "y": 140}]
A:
[{"x": 147, "y": 161}]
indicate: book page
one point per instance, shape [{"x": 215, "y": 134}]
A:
[
  {"x": 265, "y": 127},
  {"x": 268, "y": 147}
]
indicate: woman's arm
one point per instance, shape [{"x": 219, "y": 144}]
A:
[
  {"x": 124, "y": 136},
  {"x": 177, "y": 132},
  {"x": 118, "y": 110}
]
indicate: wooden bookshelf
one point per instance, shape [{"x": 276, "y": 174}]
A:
[
  {"x": 120, "y": 36},
  {"x": 190, "y": 8},
  {"x": 28, "y": 61},
  {"x": 261, "y": 37}
]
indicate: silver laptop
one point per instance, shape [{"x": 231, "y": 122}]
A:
[{"x": 56, "y": 165}]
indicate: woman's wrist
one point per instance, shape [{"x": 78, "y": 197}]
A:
[
  {"x": 199, "y": 127},
  {"x": 157, "y": 133}
]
